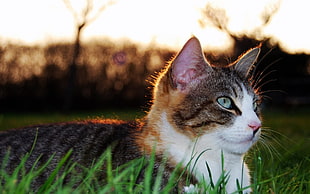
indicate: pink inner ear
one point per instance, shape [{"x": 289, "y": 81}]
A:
[
  {"x": 184, "y": 78},
  {"x": 189, "y": 64}
]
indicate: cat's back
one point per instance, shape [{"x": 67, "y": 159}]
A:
[{"x": 88, "y": 140}]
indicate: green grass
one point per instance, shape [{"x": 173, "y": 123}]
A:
[
  {"x": 282, "y": 160},
  {"x": 123, "y": 179},
  {"x": 280, "y": 164}
]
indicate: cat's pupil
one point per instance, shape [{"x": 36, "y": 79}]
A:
[{"x": 225, "y": 102}]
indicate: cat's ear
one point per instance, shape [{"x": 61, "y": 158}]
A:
[
  {"x": 189, "y": 65},
  {"x": 245, "y": 63}
]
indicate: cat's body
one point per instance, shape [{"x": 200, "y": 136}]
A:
[
  {"x": 200, "y": 113},
  {"x": 88, "y": 140}
]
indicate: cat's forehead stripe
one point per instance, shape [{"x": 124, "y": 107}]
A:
[
  {"x": 234, "y": 92},
  {"x": 237, "y": 89}
]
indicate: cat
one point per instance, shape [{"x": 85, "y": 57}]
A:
[{"x": 202, "y": 113}]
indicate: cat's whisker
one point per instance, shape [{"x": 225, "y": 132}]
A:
[
  {"x": 257, "y": 76},
  {"x": 268, "y": 91},
  {"x": 266, "y": 97},
  {"x": 265, "y": 68},
  {"x": 265, "y": 83},
  {"x": 257, "y": 83},
  {"x": 263, "y": 95},
  {"x": 266, "y": 142},
  {"x": 272, "y": 133},
  {"x": 272, "y": 140},
  {"x": 261, "y": 60}
]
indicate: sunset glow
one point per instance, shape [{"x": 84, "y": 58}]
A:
[{"x": 169, "y": 23}]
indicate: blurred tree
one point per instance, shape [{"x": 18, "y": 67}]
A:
[
  {"x": 82, "y": 18},
  {"x": 290, "y": 75},
  {"x": 219, "y": 19}
]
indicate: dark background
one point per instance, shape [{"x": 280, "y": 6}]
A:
[{"x": 110, "y": 74}]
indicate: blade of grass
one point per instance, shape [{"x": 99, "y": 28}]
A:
[{"x": 46, "y": 187}]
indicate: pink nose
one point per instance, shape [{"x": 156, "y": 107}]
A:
[{"x": 254, "y": 125}]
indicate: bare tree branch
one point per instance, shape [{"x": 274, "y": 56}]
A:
[
  {"x": 70, "y": 8},
  {"x": 219, "y": 19},
  {"x": 270, "y": 11},
  {"x": 100, "y": 10},
  {"x": 216, "y": 16},
  {"x": 88, "y": 14}
]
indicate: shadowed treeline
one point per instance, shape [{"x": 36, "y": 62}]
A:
[
  {"x": 110, "y": 74},
  {"x": 107, "y": 74}
]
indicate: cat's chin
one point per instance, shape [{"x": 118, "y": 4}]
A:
[{"x": 239, "y": 146}]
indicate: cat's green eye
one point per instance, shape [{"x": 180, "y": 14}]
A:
[
  {"x": 255, "y": 106},
  {"x": 225, "y": 102}
]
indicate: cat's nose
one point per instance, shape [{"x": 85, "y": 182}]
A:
[{"x": 254, "y": 125}]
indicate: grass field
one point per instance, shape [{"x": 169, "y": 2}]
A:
[{"x": 280, "y": 163}]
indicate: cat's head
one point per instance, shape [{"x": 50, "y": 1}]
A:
[{"x": 199, "y": 98}]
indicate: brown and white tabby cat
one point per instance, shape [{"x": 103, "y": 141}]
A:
[{"x": 200, "y": 113}]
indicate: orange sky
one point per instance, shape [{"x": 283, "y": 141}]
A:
[{"x": 167, "y": 22}]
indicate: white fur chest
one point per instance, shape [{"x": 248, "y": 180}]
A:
[{"x": 200, "y": 152}]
